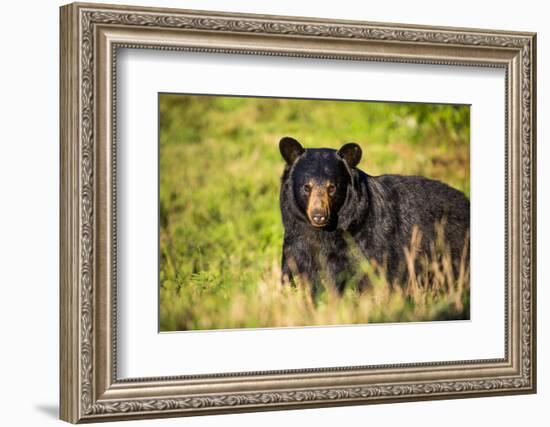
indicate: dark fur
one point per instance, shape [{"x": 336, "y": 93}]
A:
[{"x": 377, "y": 212}]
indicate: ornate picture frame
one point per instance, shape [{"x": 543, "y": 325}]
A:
[{"x": 90, "y": 37}]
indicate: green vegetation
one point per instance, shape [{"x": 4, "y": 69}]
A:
[{"x": 220, "y": 225}]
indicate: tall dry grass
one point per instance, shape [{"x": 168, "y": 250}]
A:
[{"x": 435, "y": 290}]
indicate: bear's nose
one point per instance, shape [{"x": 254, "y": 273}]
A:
[{"x": 318, "y": 218}]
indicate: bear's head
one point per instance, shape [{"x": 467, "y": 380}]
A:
[{"x": 319, "y": 179}]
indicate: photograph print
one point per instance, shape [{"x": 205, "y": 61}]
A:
[{"x": 280, "y": 212}]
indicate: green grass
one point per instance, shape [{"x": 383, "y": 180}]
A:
[{"x": 220, "y": 225}]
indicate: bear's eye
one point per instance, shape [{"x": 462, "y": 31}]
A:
[
  {"x": 307, "y": 188},
  {"x": 331, "y": 188}
]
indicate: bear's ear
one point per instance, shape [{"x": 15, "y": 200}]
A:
[
  {"x": 351, "y": 153},
  {"x": 290, "y": 149}
]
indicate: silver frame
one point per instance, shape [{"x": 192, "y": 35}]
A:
[{"x": 90, "y": 37}]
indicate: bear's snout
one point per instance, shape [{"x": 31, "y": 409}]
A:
[{"x": 318, "y": 209}]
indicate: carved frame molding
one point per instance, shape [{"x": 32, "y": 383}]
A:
[{"x": 90, "y": 37}]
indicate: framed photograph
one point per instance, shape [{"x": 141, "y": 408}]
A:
[{"x": 266, "y": 212}]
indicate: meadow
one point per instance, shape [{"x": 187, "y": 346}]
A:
[{"x": 220, "y": 231}]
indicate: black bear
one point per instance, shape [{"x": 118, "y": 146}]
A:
[{"x": 327, "y": 203}]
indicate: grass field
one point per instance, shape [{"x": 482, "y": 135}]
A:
[{"x": 220, "y": 225}]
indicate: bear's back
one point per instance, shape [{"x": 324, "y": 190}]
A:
[{"x": 422, "y": 197}]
